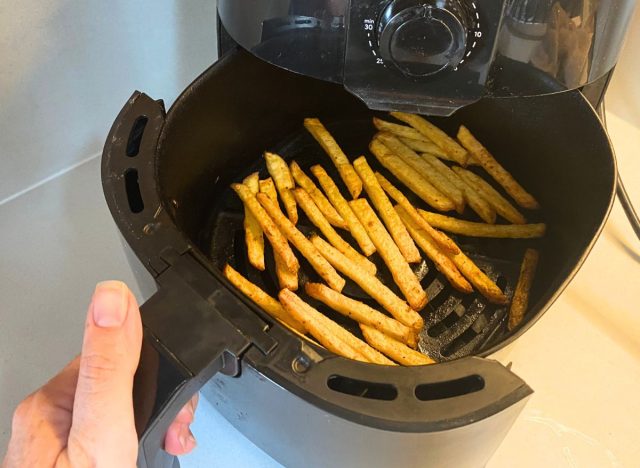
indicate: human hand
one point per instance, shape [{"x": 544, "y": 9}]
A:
[{"x": 84, "y": 415}]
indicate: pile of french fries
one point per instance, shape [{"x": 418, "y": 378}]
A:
[{"x": 427, "y": 162}]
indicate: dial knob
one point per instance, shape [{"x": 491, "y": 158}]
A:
[{"x": 425, "y": 37}]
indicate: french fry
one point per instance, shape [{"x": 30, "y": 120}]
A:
[
  {"x": 333, "y": 193},
  {"x": 398, "y": 308},
  {"x": 469, "y": 228},
  {"x": 287, "y": 279},
  {"x": 424, "y": 169},
  {"x": 252, "y": 231},
  {"x": 310, "y": 319},
  {"x": 267, "y": 186},
  {"x": 269, "y": 228},
  {"x": 396, "y": 350},
  {"x": 379, "y": 199},
  {"x": 279, "y": 171},
  {"x": 317, "y": 196},
  {"x": 475, "y": 201},
  {"x": 491, "y": 195},
  {"x": 443, "y": 241},
  {"x": 317, "y": 218},
  {"x": 402, "y": 274},
  {"x": 262, "y": 299},
  {"x": 401, "y": 131},
  {"x": 443, "y": 263},
  {"x": 520, "y": 299},
  {"x": 330, "y": 146},
  {"x": 482, "y": 282},
  {"x": 317, "y": 261},
  {"x": 495, "y": 169},
  {"x": 362, "y": 313},
  {"x": 434, "y": 134},
  {"x": 422, "y": 146},
  {"x": 409, "y": 177},
  {"x": 301, "y": 309}
]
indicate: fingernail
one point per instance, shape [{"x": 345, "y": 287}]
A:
[{"x": 110, "y": 303}]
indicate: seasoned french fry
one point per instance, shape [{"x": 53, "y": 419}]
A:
[
  {"x": 330, "y": 146},
  {"x": 400, "y": 130},
  {"x": 317, "y": 218},
  {"x": 482, "y": 282},
  {"x": 495, "y": 169},
  {"x": 355, "y": 227},
  {"x": 269, "y": 228},
  {"x": 443, "y": 263},
  {"x": 398, "y": 308},
  {"x": 486, "y": 191},
  {"x": 469, "y": 228},
  {"x": 520, "y": 299},
  {"x": 476, "y": 202},
  {"x": 409, "y": 177},
  {"x": 267, "y": 186},
  {"x": 310, "y": 319},
  {"x": 402, "y": 274},
  {"x": 287, "y": 279},
  {"x": 424, "y": 147},
  {"x": 362, "y": 313},
  {"x": 425, "y": 170},
  {"x": 279, "y": 171},
  {"x": 443, "y": 241},
  {"x": 379, "y": 199},
  {"x": 262, "y": 299},
  {"x": 317, "y": 196},
  {"x": 252, "y": 231},
  {"x": 317, "y": 261},
  {"x": 289, "y": 299},
  {"x": 433, "y": 133},
  {"x": 396, "y": 350}
]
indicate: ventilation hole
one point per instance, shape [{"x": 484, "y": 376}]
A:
[
  {"x": 448, "y": 322},
  {"x": 136, "y": 205},
  {"x": 450, "y": 388},
  {"x": 135, "y": 136},
  {"x": 501, "y": 282},
  {"x": 360, "y": 388},
  {"x": 459, "y": 342}
]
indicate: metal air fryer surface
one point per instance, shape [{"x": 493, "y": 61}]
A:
[{"x": 167, "y": 180}]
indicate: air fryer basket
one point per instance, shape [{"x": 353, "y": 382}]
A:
[{"x": 166, "y": 180}]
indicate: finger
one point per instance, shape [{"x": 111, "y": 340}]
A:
[
  {"x": 179, "y": 439},
  {"x": 103, "y": 423}
]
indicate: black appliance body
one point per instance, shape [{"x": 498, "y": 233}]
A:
[
  {"x": 166, "y": 177},
  {"x": 434, "y": 56}
]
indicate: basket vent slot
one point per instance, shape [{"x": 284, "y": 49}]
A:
[
  {"x": 450, "y": 388},
  {"x": 361, "y": 388}
]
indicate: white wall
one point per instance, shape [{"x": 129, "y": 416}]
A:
[{"x": 67, "y": 67}]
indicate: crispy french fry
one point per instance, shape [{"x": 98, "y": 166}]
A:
[
  {"x": 443, "y": 241},
  {"x": 402, "y": 274},
  {"x": 330, "y": 146},
  {"x": 425, "y": 170},
  {"x": 269, "y": 228},
  {"x": 279, "y": 171},
  {"x": 469, "y": 228},
  {"x": 262, "y": 299},
  {"x": 398, "y": 308},
  {"x": 433, "y": 133},
  {"x": 422, "y": 146},
  {"x": 475, "y": 201},
  {"x": 402, "y": 131},
  {"x": 482, "y": 282},
  {"x": 486, "y": 191},
  {"x": 317, "y": 218},
  {"x": 443, "y": 263},
  {"x": 317, "y": 196},
  {"x": 310, "y": 319},
  {"x": 252, "y": 231},
  {"x": 340, "y": 203},
  {"x": 495, "y": 169},
  {"x": 267, "y": 186},
  {"x": 317, "y": 261},
  {"x": 409, "y": 177},
  {"x": 520, "y": 299},
  {"x": 369, "y": 353},
  {"x": 287, "y": 279},
  {"x": 379, "y": 199},
  {"x": 362, "y": 313},
  {"x": 396, "y": 350}
]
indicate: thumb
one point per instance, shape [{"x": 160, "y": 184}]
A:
[{"x": 103, "y": 428}]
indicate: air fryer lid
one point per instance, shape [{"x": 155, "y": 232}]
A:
[
  {"x": 434, "y": 56},
  {"x": 165, "y": 179}
]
